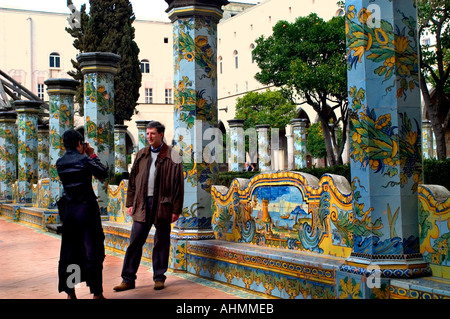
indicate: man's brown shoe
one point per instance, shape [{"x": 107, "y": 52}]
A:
[
  {"x": 159, "y": 285},
  {"x": 124, "y": 286}
]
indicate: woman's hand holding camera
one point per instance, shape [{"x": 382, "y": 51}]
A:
[{"x": 88, "y": 149}]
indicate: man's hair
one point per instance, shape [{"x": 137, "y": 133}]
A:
[
  {"x": 71, "y": 138},
  {"x": 159, "y": 127}
]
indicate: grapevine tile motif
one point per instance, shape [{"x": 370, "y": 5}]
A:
[
  {"x": 60, "y": 120},
  {"x": 43, "y": 155},
  {"x": 27, "y": 145},
  {"x": 264, "y": 159},
  {"x": 385, "y": 134},
  {"x": 120, "y": 152},
  {"x": 8, "y": 153},
  {"x": 385, "y": 145},
  {"x": 99, "y": 123},
  {"x": 195, "y": 99},
  {"x": 299, "y": 132}
]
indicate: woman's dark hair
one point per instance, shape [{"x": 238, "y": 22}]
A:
[
  {"x": 71, "y": 138},
  {"x": 159, "y": 127}
]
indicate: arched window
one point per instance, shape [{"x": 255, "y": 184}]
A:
[
  {"x": 145, "y": 66},
  {"x": 55, "y": 60},
  {"x": 236, "y": 59},
  {"x": 220, "y": 64}
]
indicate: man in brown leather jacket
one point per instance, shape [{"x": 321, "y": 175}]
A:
[{"x": 154, "y": 197}]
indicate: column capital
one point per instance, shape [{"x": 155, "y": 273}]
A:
[
  {"x": 298, "y": 122},
  {"x": 120, "y": 127},
  {"x": 262, "y": 127},
  {"x": 91, "y": 62},
  {"x": 188, "y": 8},
  {"x": 61, "y": 86},
  {"x": 141, "y": 124},
  {"x": 27, "y": 106},
  {"x": 8, "y": 116},
  {"x": 235, "y": 123}
]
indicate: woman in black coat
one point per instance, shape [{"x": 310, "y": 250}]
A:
[{"x": 82, "y": 243}]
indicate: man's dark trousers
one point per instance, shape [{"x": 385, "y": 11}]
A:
[{"x": 160, "y": 253}]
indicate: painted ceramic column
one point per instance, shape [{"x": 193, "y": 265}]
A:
[
  {"x": 195, "y": 99},
  {"x": 299, "y": 135},
  {"x": 43, "y": 152},
  {"x": 61, "y": 94},
  {"x": 8, "y": 153},
  {"x": 427, "y": 138},
  {"x": 120, "y": 154},
  {"x": 27, "y": 147},
  {"x": 142, "y": 133},
  {"x": 264, "y": 157},
  {"x": 236, "y": 145},
  {"x": 386, "y": 151},
  {"x": 98, "y": 69}
]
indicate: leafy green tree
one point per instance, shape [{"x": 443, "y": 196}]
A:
[
  {"x": 269, "y": 107},
  {"x": 314, "y": 142},
  {"x": 434, "y": 18},
  {"x": 108, "y": 28},
  {"x": 307, "y": 58}
]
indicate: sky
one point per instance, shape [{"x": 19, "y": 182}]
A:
[{"x": 143, "y": 9}]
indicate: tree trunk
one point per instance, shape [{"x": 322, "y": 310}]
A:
[
  {"x": 328, "y": 144},
  {"x": 438, "y": 130}
]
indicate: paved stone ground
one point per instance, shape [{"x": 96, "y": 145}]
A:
[{"x": 28, "y": 270}]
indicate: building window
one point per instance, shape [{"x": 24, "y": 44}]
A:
[
  {"x": 220, "y": 65},
  {"x": 168, "y": 96},
  {"x": 252, "y": 47},
  {"x": 40, "y": 90},
  {"x": 166, "y": 40},
  {"x": 148, "y": 95},
  {"x": 145, "y": 66},
  {"x": 236, "y": 60},
  {"x": 55, "y": 60}
]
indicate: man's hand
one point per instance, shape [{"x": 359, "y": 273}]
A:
[
  {"x": 175, "y": 217},
  {"x": 130, "y": 210}
]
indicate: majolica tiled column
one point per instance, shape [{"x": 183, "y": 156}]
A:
[
  {"x": 195, "y": 82},
  {"x": 264, "y": 162},
  {"x": 43, "y": 151},
  {"x": 427, "y": 138},
  {"x": 386, "y": 152},
  {"x": 299, "y": 135},
  {"x": 142, "y": 134},
  {"x": 27, "y": 147},
  {"x": 120, "y": 151},
  {"x": 99, "y": 69},
  {"x": 236, "y": 145},
  {"x": 61, "y": 94},
  {"x": 8, "y": 154}
]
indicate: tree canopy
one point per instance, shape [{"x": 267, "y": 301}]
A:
[
  {"x": 269, "y": 107},
  {"x": 306, "y": 59},
  {"x": 108, "y": 28}
]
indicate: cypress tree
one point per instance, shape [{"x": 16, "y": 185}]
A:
[{"x": 108, "y": 28}]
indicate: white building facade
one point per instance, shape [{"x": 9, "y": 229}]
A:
[{"x": 34, "y": 46}]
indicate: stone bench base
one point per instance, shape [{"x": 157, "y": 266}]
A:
[{"x": 273, "y": 272}]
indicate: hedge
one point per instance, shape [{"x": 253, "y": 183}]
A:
[{"x": 435, "y": 172}]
